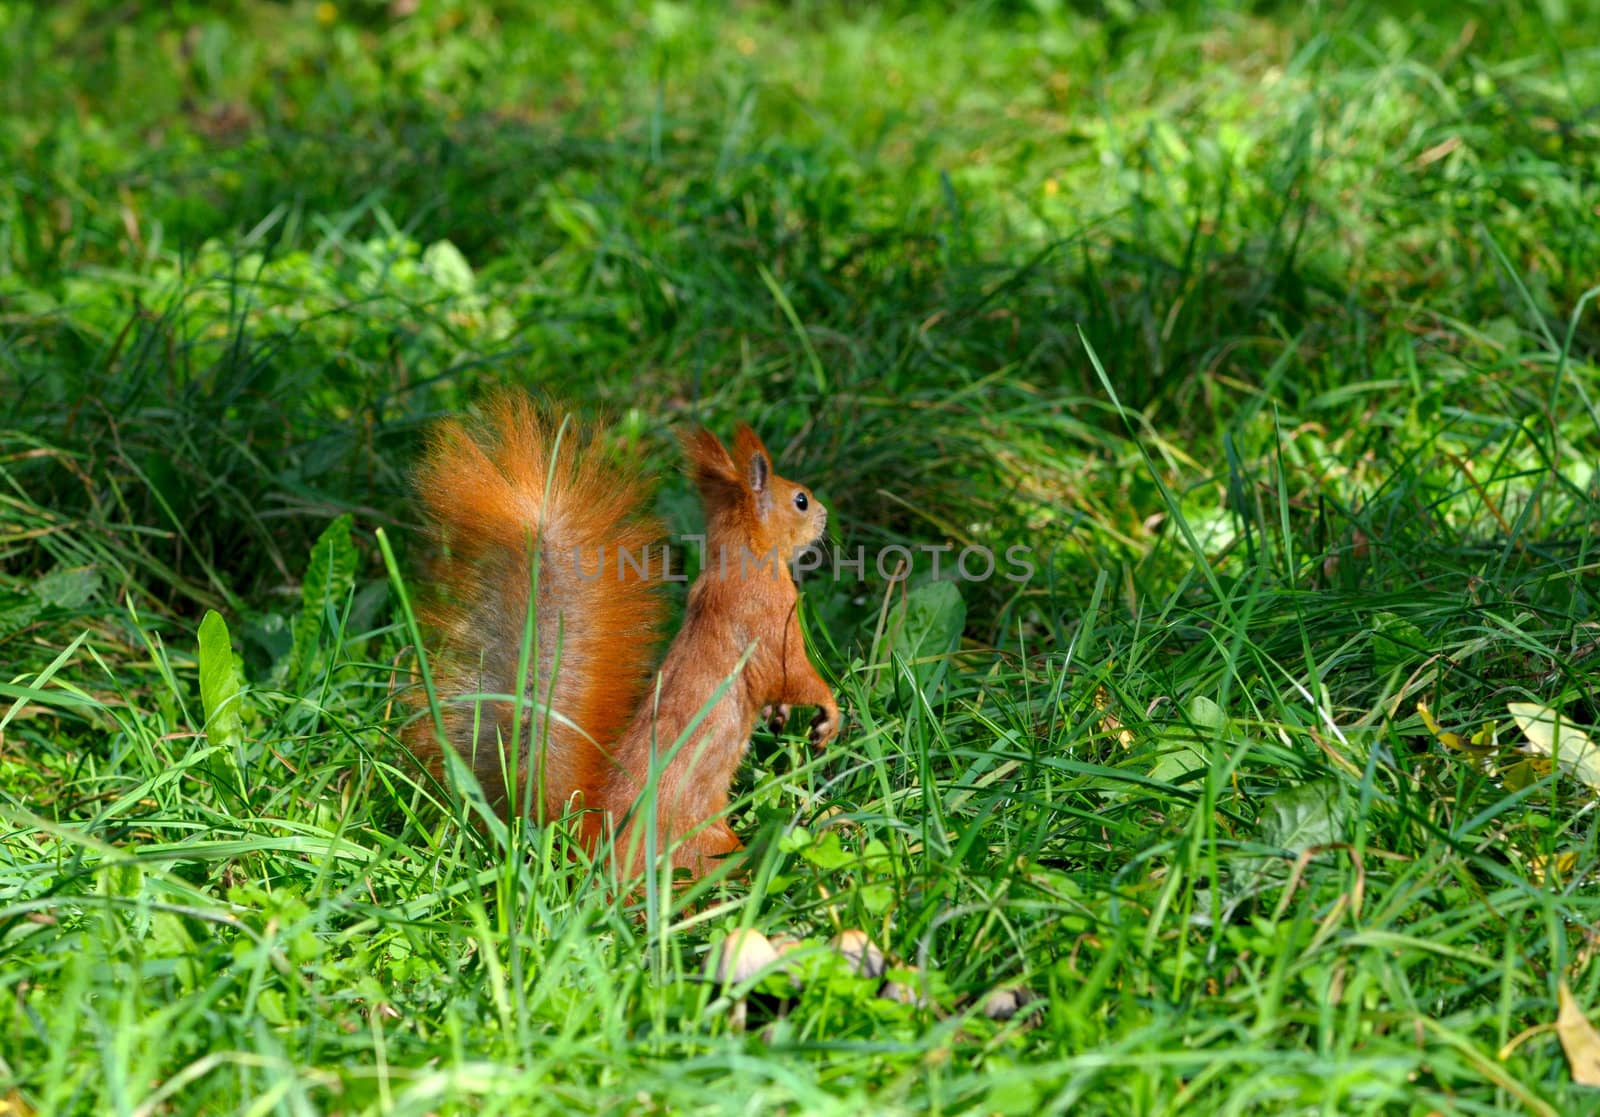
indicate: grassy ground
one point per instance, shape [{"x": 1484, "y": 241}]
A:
[{"x": 1268, "y": 329}]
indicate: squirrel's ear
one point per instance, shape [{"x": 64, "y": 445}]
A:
[
  {"x": 709, "y": 463},
  {"x": 749, "y": 449},
  {"x": 747, "y": 443}
]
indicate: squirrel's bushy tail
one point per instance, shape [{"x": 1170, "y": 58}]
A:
[{"x": 493, "y": 491}]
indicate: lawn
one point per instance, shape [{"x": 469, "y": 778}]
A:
[{"x": 1266, "y": 332}]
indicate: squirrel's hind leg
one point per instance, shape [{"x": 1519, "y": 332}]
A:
[{"x": 701, "y": 852}]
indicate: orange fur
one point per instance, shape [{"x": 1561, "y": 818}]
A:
[{"x": 491, "y": 492}]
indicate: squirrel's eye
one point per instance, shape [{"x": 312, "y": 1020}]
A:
[{"x": 800, "y": 501}]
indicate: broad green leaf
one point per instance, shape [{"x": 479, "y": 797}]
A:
[
  {"x": 926, "y": 632},
  {"x": 1203, "y": 711},
  {"x": 69, "y": 589},
  {"x": 1177, "y": 759},
  {"x": 449, "y": 269},
  {"x": 1015, "y": 1095},
  {"x": 1292, "y": 820},
  {"x": 876, "y": 855},
  {"x": 1297, "y": 818},
  {"x": 221, "y": 689},
  {"x": 1396, "y": 642},
  {"x": 795, "y": 840},
  {"x": 1179, "y": 749},
  {"x": 1549, "y": 734},
  {"x": 826, "y": 853},
  {"x": 876, "y": 898},
  {"x": 273, "y": 1007},
  {"x": 329, "y": 579}
]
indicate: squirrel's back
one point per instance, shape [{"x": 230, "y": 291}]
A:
[{"x": 493, "y": 491}]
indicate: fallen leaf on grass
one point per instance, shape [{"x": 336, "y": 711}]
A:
[
  {"x": 1557, "y": 865},
  {"x": 1554, "y": 736},
  {"x": 1578, "y": 1039},
  {"x": 1481, "y": 744},
  {"x": 1109, "y": 720}
]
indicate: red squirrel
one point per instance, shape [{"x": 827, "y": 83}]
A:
[{"x": 517, "y": 485}]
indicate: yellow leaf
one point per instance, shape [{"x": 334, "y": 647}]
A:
[
  {"x": 1578, "y": 1039},
  {"x": 12, "y": 1105},
  {"x": 1551, "y": 735},
  {"x": 1525, "y": 773},
  {"x": 1449, "y": 740},
  {"x": 1557, "y": 865},
  {"x": 1109, "y": 721}
]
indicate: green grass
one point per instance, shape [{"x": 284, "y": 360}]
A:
[{"x": 1270, "y": 329}]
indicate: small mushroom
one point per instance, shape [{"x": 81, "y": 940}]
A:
[
  {"x": 739, "y": 957},
  {"x": 786, "y": 945},
  {"x": 1003, "y": 1004},
  {"x": 863, "y": 955},
  {"x": 905, "y": 993}
]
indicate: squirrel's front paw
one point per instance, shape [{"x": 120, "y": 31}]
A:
[
  {"x": 824, "y": 726},
  {"x": 775, "y": 715}
]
